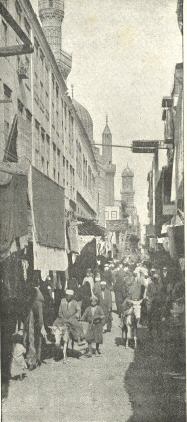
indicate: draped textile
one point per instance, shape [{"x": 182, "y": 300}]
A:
[
  {"x": 13, "y": 212},
  {"x": 48, "y": 210}
]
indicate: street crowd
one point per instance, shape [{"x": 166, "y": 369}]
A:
[{"x": 83, "y": 312}]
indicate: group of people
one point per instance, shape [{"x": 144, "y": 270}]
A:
[
  {"x": 91, "y": 302},
  {"x": 154, "y": 289}
]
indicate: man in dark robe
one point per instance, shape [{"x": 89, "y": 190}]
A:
[{"x": 105, "y": 301}]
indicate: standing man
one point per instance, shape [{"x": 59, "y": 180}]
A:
[
  {"x": 105, "y": 301},
  {"x": 120, "y": 289},
  {"x": 108, "y": 276},
  {"x": 89, "y": 278},
  {"x": 69, "y": 314}
]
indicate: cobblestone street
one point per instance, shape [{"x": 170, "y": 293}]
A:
[{"x": 121, "y": 385}]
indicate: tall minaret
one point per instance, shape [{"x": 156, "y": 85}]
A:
[
  {"x": 51, "y": 13},
  {"x": 107, "y": 140},
  {"x": 127, "y": 192}
]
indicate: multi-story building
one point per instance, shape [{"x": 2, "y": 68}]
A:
[{"x": 50, "y": 131}]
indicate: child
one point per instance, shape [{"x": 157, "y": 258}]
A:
[
  {"x": 18, "y": 364},
  {"x": 94, "y": 316}
]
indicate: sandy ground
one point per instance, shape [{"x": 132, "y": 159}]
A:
[{"x": 121, "y": 385}]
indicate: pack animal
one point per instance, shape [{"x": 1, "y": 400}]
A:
[
  {"x": 129, "y": 327},
  {"x": 62, "y": 336}
]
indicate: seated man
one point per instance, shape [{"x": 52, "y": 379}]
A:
[{"x": 69, "y": 315}]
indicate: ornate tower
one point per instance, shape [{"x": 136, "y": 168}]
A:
[
  {"x": 109, "y": 168},
  {"x": 106, "y": 143},
  {"x": 127, "y": 192},
  {"x": 51, "y": 14}
]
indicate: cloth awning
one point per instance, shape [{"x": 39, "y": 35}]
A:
[
  {"x": 90, "y": 228},
  {"x": 47, "y": 203},
  {"x": 13, "y": 212},
  {"x": 49, "y": 259}
]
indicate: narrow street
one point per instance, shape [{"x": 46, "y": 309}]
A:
[
  {"x": 121, "y": 385},
  {"x": 81, "y": 391}
]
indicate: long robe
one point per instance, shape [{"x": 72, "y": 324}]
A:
[
  {"x": 95, "y": 328},
  {"x": 105, "y": 301},
  {"x": 120, "y": 290},
  {"x": 68, "y": 314}
]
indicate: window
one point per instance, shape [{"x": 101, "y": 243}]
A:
[
  {"x": 20, "y": 107},
  {"x": 28, "y": 69},
  {"x": 67, "y": 173},
  {"x": 114, "y": 215},
  {"x": 42, "y": 134},
  {"x": 37, "y": 158},
  {"x": 84, "y": 172},
  {"x": 64, "y": 170},
  {"x": 43, "y": 141},
  {"x": 7, "y": 117},
  {"x": 65, "y": 116},
  {"x": 47, "y": 148},
  {"x": 89, "y": 178},
  {"x": 53, "y": 85},
  {"x": 43, "y": 165},
  {"x": 57, "y": 121},
  {"x": 53, "y": 114},
  {"x": 106, "y": 215},
  {"x": 28, "y": 115},
  {"x": 4, "y": 34},
  {"x": 41, "y": 92},
  {"x": 57, "y": 91},
  {"x": 37, "y": 135}
]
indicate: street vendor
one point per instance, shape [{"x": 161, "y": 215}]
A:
[{"x": 69, "y": 314}]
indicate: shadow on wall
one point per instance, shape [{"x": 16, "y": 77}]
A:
[{"x": 155, "y": 381}]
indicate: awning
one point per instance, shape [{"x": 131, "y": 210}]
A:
[
  {"x": 47, "y": 203},
  {"x": 13, "y": 212},
  {"x": 49, "y": 259},
  {"x": 90, "y": 228}
]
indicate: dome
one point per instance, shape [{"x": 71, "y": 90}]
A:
[
  {"x": 127, "y": 172},
  {"x": 85, "y": 118}
]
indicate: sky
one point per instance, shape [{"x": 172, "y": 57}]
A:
[{"x": 124, "y": 56}]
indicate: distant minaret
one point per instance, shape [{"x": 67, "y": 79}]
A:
[
  {"x": 51, "y": 13},
  {"x": 127, "y": 192},
  {"x": 107, "y": 140}
]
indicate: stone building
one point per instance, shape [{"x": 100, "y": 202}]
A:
[
  {"x": 106, "y": 174},
  {"x": 127, "y": 198},
  {"x": 50, "y": 132}
]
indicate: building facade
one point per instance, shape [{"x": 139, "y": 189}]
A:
[
  {"x": 50, "y": 133},
  {"x": 166, "y": 182}
]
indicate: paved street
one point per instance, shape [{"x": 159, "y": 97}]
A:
[{"x": 121, "y": 385}]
